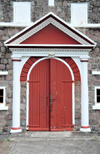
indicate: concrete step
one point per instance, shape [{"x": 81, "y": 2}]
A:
[{"x": 66, "y": 135}]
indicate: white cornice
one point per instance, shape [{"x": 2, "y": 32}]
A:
[
  {"x": 12, "y": 24},
  {"x": 48, "y": 50},
  {"x": 85, "y": 25},
  {"x": 28, "y": 52},
  {"x": 50, "y": 45}
]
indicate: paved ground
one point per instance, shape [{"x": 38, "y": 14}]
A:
[{"x": 50, "y": 143}]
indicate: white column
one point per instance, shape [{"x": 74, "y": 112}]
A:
[
  {"x": 16, "y": 97},
  {"x": 84, "y": 98}
]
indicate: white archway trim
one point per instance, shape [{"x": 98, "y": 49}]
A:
[
  {"x": 73, "y": 101},
  {"x": 49, "y": 58}
]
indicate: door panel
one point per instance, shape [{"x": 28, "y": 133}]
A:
[
  {"x": 61, "y": 96},
  {"x": 39, "y": 97}
]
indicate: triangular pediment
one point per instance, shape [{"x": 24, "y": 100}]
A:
[
  {"x": 50, "y": 35},
  {"x": 50, "y": 30}
]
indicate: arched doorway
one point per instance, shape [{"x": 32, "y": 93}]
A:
[{"x": 50, "y": 96}]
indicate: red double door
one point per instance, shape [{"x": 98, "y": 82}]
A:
[{"x": 50, "y": 97}]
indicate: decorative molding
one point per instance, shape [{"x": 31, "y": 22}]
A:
[
  {"x": 3, "y": 72},
  {"x": 49, "y": 50},
  {"x": 96, "y": 72},
  {"x": 44, "y": 52},
  {"x": 50, "y": 20}
]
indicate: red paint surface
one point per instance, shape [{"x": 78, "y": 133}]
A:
[
  {"x": 15, "y": 128},
  {"x": 39, "y": 97},
  {"x": 16, "y": 60},
  {"x": 61, "y": 96},
  {"x": 85, "y": 127},
  {"x": 84, "y": 61},
  {"x": 30, "y": 61},
  {"x": 50, "y": 97},
  {"x": 50, "y": 35}
]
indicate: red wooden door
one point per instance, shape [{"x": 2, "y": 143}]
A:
[
  {"x": 50, "y": 97},
  {"x": 61, "y": 96},
  {"x": 39, "y": 97}
]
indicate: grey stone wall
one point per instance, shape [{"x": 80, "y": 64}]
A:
[
  {"x": 38, "y": 9},
  {"x": 7, "y": 81}
]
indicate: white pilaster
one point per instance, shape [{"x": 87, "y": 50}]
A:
[
  {"x": 16, "y": 97},
  {"x": 84, "y": 98}
]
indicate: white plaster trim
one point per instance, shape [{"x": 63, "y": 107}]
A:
[
  {"x": 27, "y": 105},
  {"x": 73, "y": 106},
  {"x": 59, "y": 20},
  {"x": 3, "y": 107},
  {"x": 49, "y": 58},
  {"x": 96, "y": 72},
  {"x": 96, "y": 107},
  {"x": 13, "y": 24},
  {"x": 73, "y": 103},
  {"x": 3, "y": 72},
  {"x": 85, "y": 25},
  {"x": 49, "y": 50},
  {"x": 44, "y": 24},
  {"x": 48, "y": 45},
  {"x": 15, "y": 131},
  {"x": 79, "y": 53},
  {"x": 85, "y": 129}
]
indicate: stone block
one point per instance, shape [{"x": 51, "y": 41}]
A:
[
  {"x": 1, "y": 129},
  {"x": 8, "y": 55},
  {"x": 3, "y": 122},
  {"x": 65, "y": 3},
  {"x": 77, "y": 122},
  {"x": 23, "y": 117},
  {"x": 5, "y": 38},
  {"x": 9, "y": 66},
  {"x": 8, "y": 117},
  {"x": 94, "y": 122},
  {"x": 1, "y": 44},
  {"x": 2, "y": 66},
  {"x": 3, "y": 49},
  {"x": 4, "y": 61},
  {"x": 23, "y": 123},
  {"x": 22, "y": 106}
]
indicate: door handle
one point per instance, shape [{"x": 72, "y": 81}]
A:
[{"x": 52, "y": 99}]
